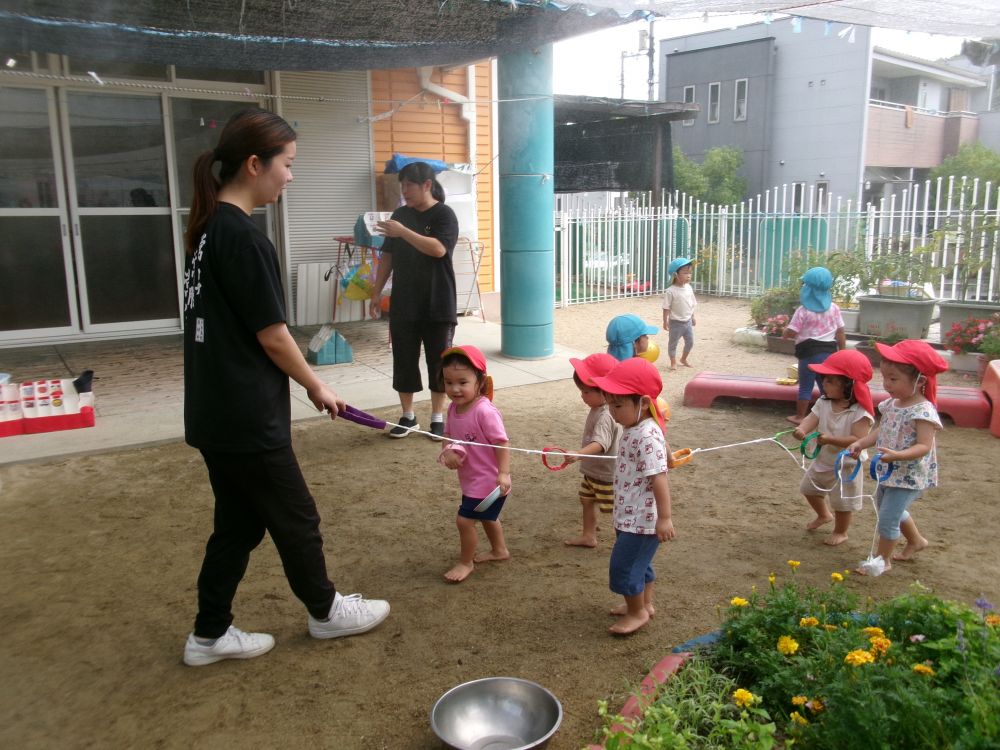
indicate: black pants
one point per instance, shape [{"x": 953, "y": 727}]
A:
[
  {"x": 257, "y": 493},
  {"x": 407, "y": 336}
]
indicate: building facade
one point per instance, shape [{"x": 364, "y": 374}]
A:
[
  {"x": 818, "y": 109},
  {"x": 96, "y": 160}
]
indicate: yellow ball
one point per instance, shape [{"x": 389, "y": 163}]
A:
[{"x": 652, "y": 352}]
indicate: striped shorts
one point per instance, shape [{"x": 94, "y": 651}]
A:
[{"x": 595, "y": 491}]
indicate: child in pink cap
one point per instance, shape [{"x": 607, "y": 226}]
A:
[
  {"x": 473, "y": 418},
  {"x": 600, "y": 439},
  {"x": 642, "y": 514}
]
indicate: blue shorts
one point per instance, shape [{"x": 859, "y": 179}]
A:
[
  {"x": 631, "y": 566},
  {"x": 892, "y": 503},
  {"x": 465, "y": 510}
]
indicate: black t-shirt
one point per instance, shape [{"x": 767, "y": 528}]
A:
[
  {"x": 423, "y": 288},
  {"x": 235, "y": 398}
]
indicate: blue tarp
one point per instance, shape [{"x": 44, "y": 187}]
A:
[{"x": 398, "y": 161}]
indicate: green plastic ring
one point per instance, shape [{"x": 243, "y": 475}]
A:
[{"x": 808, "y": 439}]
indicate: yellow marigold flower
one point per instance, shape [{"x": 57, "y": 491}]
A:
[
  {"x": 837, "y": 577},
  {"x": 829, "y": 628},
  {"x": 880, "y": 644},
  {"x": 923, "y": 669},
  {"x": 770, "y": 579},
  {"x": 738, "y": 601},
  {"x": 798, "y": 718},
  {"x": 744, "y": 698},
  {"x": 787, "y": 645},
  {"x": 808, "y": 622},
  {"x": 799, "y": 700},
  {"x": 793, "y": 564},
  {"x": 993, "y": 620},
  {"x": 859, "y": 656},
  {"x": 873, "y": 631},
  {"x": 815, "y": 705}
]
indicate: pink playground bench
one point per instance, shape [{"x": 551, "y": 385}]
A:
[{"x": 967, "y": 407}]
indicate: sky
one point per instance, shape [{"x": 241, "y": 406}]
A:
[{"x": 592, "y": 64}]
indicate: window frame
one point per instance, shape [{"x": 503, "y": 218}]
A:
[
  {"x": 717, "y": 85},
  {"x": 736, "y": 99},
  {"x": 694, "y": 100}
]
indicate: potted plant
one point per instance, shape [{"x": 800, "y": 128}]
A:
[
  {"x": 989, "y": 347},
  {"x": 964, "y": 340},
  {"x": 900, "y": 304},
  {"x": 868, "y": 348},
  {"x": 966, "y": 250},
  {"x": 849, "y": 276},
  {"x": 775, "y": 327}
]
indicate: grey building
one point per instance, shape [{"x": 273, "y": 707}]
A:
[{"x": 816, "y": 108}]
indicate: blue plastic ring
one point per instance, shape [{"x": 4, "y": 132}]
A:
[
  {"x": 873, "y": 468},
  {"x": 839, "y": 462}
]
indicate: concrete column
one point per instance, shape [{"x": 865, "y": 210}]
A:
[{"x": 526, "y": 132}]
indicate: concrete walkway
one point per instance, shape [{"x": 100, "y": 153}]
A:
[{"x": 138, "y": 384}]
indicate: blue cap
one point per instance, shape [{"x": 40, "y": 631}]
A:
[
  {"x": 623, "y": 331},
  {"x": 677, "y": 264},
  {"x": 815, "y": 294}
]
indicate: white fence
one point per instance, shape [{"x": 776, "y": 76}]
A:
[{"x": 745, "y": 248}]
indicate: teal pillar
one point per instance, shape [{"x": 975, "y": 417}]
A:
[{"x": 527, "y": 264}]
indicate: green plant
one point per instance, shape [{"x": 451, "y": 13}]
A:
[
  {"x": 968, "y": 335},
  {"x": 989, "y": 347},
  {"x": 915, "y": 672},
  {"x": 777, "y": 301},
  {"x": 697, "y": 708}
]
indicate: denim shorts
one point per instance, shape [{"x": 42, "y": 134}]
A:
[
  {"x": 892, "y": 503},
  {"x": 631, "y": 566},
  {"x": 466, "y": 509}
]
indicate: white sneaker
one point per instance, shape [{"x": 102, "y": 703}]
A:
[
  {"x": 234, "y": 644},
  {"x": 349, "y": 615}
]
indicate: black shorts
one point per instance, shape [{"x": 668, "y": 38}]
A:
[{"x": 407, "y": 337}]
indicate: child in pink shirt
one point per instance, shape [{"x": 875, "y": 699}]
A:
[
  {"x": 818, "y": 330},
  {"x": 472, "y": 418}
]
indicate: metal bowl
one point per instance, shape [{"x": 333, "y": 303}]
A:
[{"x": 496, "y": 713}]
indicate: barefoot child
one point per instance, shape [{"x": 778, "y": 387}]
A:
[
  {"x": 905, "y": 438},
  {"x": 843, "y": 415},
  {"x": 678, "y": 310},
  {"x": 642, "y": 493},
  {"x": 473, "y": 417},
  {"x": 818, "y": 329},
  {"x": 600, "y": 438}
]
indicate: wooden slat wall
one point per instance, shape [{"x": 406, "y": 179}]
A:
[{"x": 431, "y": 128}]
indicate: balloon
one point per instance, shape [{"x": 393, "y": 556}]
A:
[{"x": 652, "y": 352}]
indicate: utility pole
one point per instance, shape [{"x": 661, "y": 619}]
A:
[{"x": 651, "y": 52}]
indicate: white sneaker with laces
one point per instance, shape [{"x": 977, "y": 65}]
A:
[
  {"x": 233, "y": 644},
  {"x": 349, "y": 615}
]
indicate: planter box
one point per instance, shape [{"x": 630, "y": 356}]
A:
[
  {"x": 781, "y": 345},
  {"x": 958, "y": 311},
  {"x": 964, "y": 362},
  {"x": 883, "y": 315},
  {"x": 851, "y": 318}
]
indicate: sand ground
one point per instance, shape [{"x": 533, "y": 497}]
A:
[{"x": 100, "y": 555}]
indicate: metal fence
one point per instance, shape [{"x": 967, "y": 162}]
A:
[{"x": 746, "y": 248}]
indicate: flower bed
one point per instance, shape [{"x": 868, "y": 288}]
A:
[{"x": 797, "y": 665}]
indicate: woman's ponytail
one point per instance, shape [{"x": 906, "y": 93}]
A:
[{"x": 204, "y": 200}]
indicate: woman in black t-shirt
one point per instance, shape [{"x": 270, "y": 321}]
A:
[
  {"x": 238, "y": 356},
  {"x": 420, "y": 240}
]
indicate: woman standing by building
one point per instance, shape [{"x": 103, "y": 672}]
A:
[
  {"x": 238, "y": 357},
  {"x": 421, "y": 237}
]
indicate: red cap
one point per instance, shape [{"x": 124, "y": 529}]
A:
[
  {"x": 595, "y": 365},
  {"x": 477, "y": 359},
  {"x": 855, "y": 366},
  {"x": 471, "y": 353},
  {"x": 635, "y": 377},
  {"x": 921, "y": 355}
]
